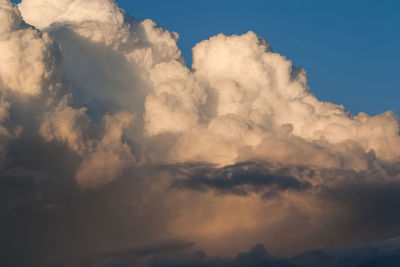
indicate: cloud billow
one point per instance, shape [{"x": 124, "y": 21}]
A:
[{"x": 110, "y": 144}]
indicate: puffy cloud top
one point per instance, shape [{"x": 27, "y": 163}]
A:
[
  {"x": 44, "y": 13},
  {"x": 240, "y": 101},
  {"x": 29, "y": 58},
  {"x": 10, "y": 17}
]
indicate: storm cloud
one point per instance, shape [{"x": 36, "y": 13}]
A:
[{"x": 114, "y": 153}]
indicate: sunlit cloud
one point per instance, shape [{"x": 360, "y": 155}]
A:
[{"x": 114, "y": 151}]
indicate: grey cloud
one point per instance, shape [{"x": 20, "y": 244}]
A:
[
  {"x": 255, "y": 257},
  {"x": 386, "y": 253},
  {"x": 83, "y": 182},
  {"x": 51, "y": 220},
  {"x": 241, "y": 179},
  {"x": 124, "y": 255}
]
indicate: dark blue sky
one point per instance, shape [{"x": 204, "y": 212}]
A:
[{"x": 350, "y": 49}]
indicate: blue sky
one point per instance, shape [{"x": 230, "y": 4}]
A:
[{"x": 350, "y": 49}]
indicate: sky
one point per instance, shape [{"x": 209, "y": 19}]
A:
[
  {"x": 349, "y": 48},
  {"x": 199, "y": 134}
]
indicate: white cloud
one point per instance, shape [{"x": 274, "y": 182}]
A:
[
  {"x": 29, "y": 58},
  {"x": 105, "y": 98},
  {"x": 240, "y": 101}
]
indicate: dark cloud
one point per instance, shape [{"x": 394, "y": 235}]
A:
[
  {"x": 369, "y": 204},
  {"x": 127, "y": 255},
  {"x": 386, "y": 253},
  {"x": 242, "y": 179},
  {"x": 255, "y": 257},
  {"x": 46, "y": 216},
  {"x": 179, "y": 254},
  {"x": 49, "y": 219}
]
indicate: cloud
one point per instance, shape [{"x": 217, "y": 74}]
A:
[
  {"x": 177, "y": 253},
  {"x": 67, "y": 225},
  {"x": 257, "y": 256},
  {"x": 242, "y": 179},
  {"x": 240, "y": 100},
  {"x": 109, "y": 156},
  {"x": 66, "y": 125},
  {"x": 125, "y": 256},
  {"x": 29, "y": 57},
  {"x": 109, "y": 142}
]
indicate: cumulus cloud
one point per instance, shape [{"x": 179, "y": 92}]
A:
[
  {"x": 107, "y": 158},
  {"x": 231, "y": 152},
  {"x": 29, "y": 57},
  {"x": 240, "y": 100}
]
